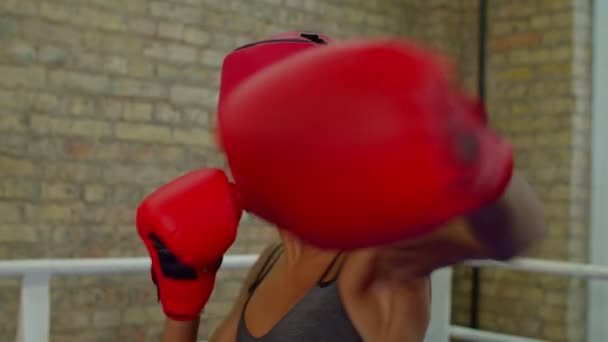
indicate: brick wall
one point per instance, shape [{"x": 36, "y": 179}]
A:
[
  {"x": 539, "y": 58},
  {"x": 103, "y": 100}
]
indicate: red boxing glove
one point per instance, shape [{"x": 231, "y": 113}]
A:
[
  {"x": 359, "y": 144},
  {"x": 187, "y": 226}
]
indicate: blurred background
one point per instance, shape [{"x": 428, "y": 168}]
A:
[{"x": 101, "y": 101}]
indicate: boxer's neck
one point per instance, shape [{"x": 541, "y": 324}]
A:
[{"x": 296, "y": 251}]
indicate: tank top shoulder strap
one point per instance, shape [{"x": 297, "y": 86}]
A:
[
  {"x": 266, "y": 267},
  {"x": 337, "y": 260}
]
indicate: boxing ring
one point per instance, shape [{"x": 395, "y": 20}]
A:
[
  {"x": 35, "y": 305},
  {"x": 34, "y": 311}
]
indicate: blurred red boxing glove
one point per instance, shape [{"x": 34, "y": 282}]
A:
[
  {"x": 359, "y": 144},
  {"x": 187, "y": 226}
]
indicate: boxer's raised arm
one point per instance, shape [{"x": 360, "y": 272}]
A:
[
  {"x": 180, "y": 331},
  {"x": 502, "y": 230},
  {"x": 509, "y": 226}
]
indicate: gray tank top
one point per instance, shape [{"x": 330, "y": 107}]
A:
[{"x": 319, "y": 317}]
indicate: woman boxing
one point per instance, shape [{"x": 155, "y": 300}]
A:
[{"x": 297, "y": 291}]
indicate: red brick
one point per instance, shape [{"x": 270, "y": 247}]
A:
[
  {"x": 79, "y": 150},
  {"x": 521, "y": 40}
]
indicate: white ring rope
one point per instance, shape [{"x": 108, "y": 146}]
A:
[
  {"x": 473, "y": 335},
  {"x": 35, "y": 298},
  {"x": 548, "y": 267}
]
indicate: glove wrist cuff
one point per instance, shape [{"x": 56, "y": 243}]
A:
[{"x": 182, "y": 318}]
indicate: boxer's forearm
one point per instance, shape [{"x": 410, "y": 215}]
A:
[
  {"x": 510, "y": 226},
  {"x": 176, "y": 331}
]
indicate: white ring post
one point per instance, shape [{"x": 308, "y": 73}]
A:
[
  {"x": 441, "y": 302},
  {"x": 34, "y": 310},
  {"x": 597, "y": 300}
]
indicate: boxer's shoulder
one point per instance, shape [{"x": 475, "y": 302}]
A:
[
  {"x": 369, "y": 299},
  {"x": 226, "y": 331},
  {"x": 262, "y": 262},
  {"x": 366, "y": 268}
]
